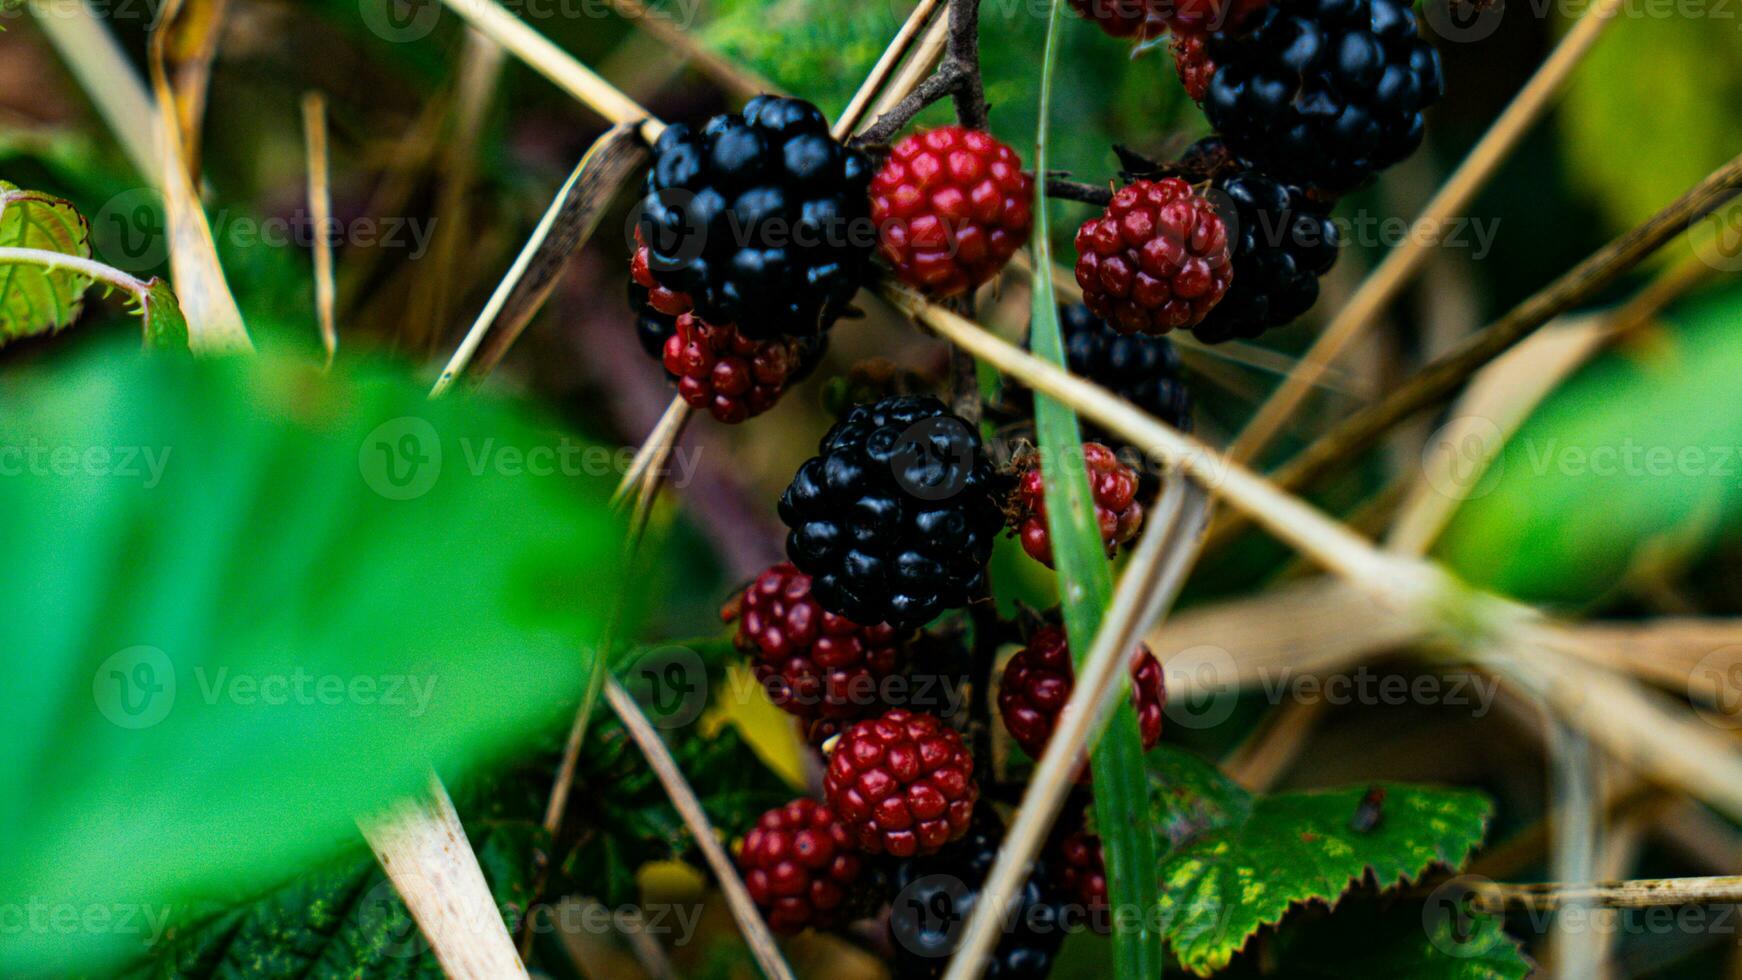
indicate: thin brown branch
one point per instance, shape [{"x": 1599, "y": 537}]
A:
[
  {"x": 1439, "y": 380},
  {"x": 1644, "y": 893},
  {"x": 1453, "y": 197},
  {"x": 1072, "y": 190}
]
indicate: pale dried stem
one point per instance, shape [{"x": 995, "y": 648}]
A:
[
  {"x": 105, "y": 73},
  {"x": 423, "y": 848},
  {"x": 733, "y": 77},
  {"x": 1644, "y": 893},
  {"x": 320, "y": 204},
  {"x": 886, "y": 64},
  {"x": 650, "y": 460},
  {"x": 1454, "y": 196},
  {"x": 917, "y": 68},
  {"x": 760, "y": 940},
  {"x": 1149, "y": 585},
  {"x": 494, "y": 21}
]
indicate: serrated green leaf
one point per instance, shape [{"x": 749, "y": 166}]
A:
[
  {"x": 1190, "y": 796},
  {"x": 197, "y": 536},
  {"x": 34, "y": 300},
  {"x": 1226, "y": 883},
  {"x": 1399, "y": 939}
]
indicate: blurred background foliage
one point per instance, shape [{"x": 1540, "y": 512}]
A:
[{"x": 1651, "y": 111}]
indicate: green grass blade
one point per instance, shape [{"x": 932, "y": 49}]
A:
[{"x": 1085, "y": 590}]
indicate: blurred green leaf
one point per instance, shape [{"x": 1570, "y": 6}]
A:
[
  {"x": 1637, "y": 451},
  {"x": 1253, "y": 858},
  {"x": 1634, "y": 147},
  {"x": 259, "y": 601},
  {"x": 34, "y": 300}
]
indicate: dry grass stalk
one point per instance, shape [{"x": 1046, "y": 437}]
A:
[
  {"x": 320, "y": 204},
  {"x": 423, "y": 848},
  {"x": 105, "y": 73},
  {"x": 848, "y": 123}
]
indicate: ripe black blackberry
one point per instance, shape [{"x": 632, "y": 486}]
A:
[
  {"x": 1141, "y": 369},
  {"x": 935, "y": 896},
  {"x": 895, "y": 518},
  {"x": 1282, "y": 243},
  {"x": 762, "y": 218},
  {"x": 1324, "y": 92}
]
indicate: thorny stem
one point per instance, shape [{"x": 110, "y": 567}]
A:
[{"x": 958, "y": 76}]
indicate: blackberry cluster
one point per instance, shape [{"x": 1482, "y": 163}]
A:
[
  {"x": 1324, "y": 92},
  {"x": 896, "y": 516},
  {"x": 761, "y": 218},
  {"x": 935, "y": 897},
  {"x": 1282, "y": 243}
]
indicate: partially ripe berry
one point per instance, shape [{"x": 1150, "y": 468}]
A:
[
  {"x": 1080, "y": 870},
  {"x": 800, "y": 867},
  {"x": 1156, "y": 259},
  {"x": 812, "y": 663},
  {"x": 1037, "y": 682},
  {"x": 902, "y": 783},
  {"x": 1112, "y": 484},
  {"x": 727, "y": 374},
  {"x": 951, "y": 206}
]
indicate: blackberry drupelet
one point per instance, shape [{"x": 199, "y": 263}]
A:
[
  {"x": 762, "y": 218},
  {"x": 935, "y": 897},
  {"x": 1324, "y": 92},
  {"x": 896, "y": 516},
  {"x": 1281, "y": 243}
]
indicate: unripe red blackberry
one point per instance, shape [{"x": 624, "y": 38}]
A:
[
  {"x": 1037, "y": 682},
  {"x": 1191, "y": 59},
  {"x": 1080, "y": 871},
  {"x": 951, "y": 206},
  {"x": 1146, "y": 20},
  {"x": 903, "y": 783},
  {"x": 800, "y": 867},
  {"x": 1156, "y": 259},
  {"x": 725, "y": 373},
  {"x": 812, "y": 663},
  {"x": 1112, "y": 484}
]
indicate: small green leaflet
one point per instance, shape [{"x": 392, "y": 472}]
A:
[
  {"x": 1253, "y": 860},
  {"x": 35, "y": 300}
]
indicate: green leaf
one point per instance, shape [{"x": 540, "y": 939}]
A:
[
  {"x": 1399, "y": 939},
  {"x": 1641, "y": 445},
  {"x": 1634, "y": 148},
  {"x": 1086, "y": 590},
  {"x": 35, "y": 300},
  {"x": 1245, "y": 861},
  {"x": 260, "y": 601}
]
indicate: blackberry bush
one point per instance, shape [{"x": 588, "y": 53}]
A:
[{"x": 760, "y": 217}]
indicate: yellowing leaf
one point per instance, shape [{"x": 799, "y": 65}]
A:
[{"x": 34, "y": 300}]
